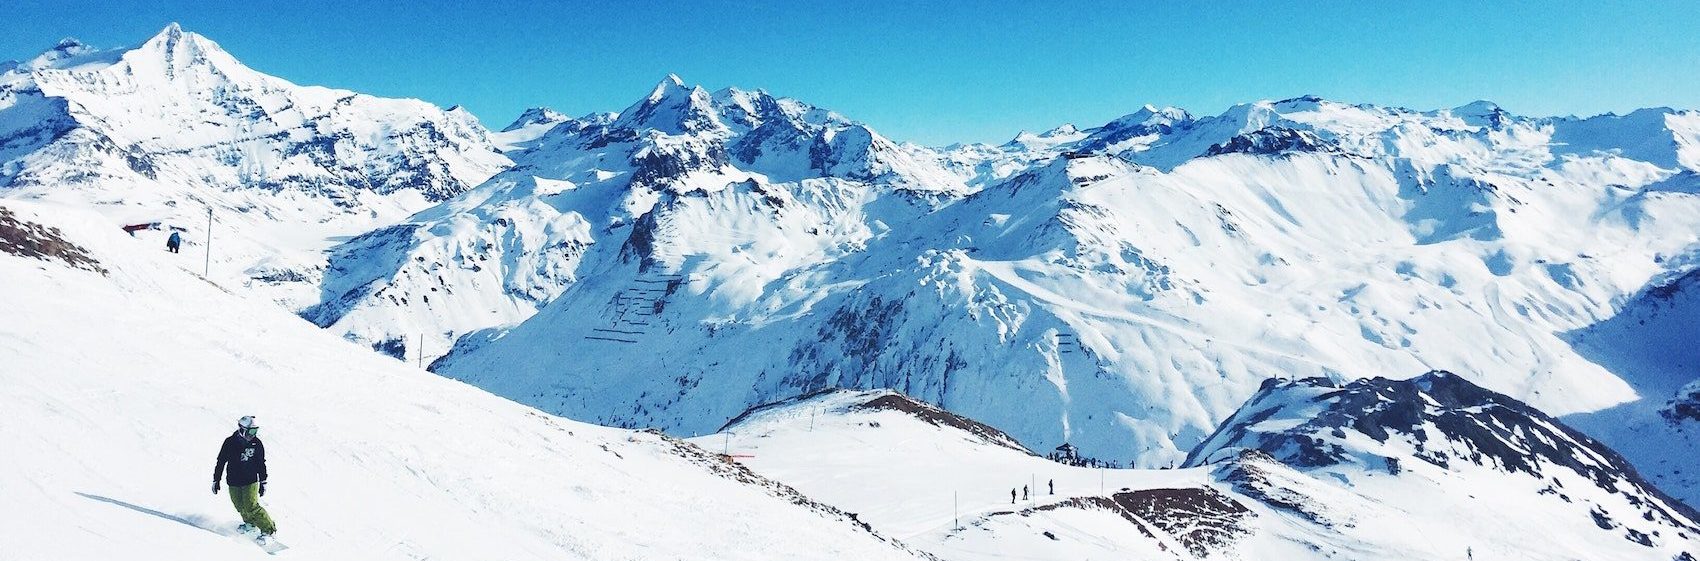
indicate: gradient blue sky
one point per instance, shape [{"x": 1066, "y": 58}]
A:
[{"x": 935, "y": 72}]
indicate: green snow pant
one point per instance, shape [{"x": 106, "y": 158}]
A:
[{"x": 247, "y": 501}]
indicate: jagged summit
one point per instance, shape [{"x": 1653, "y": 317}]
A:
[
  {"x": 671, "y": 108},
  {"x": 176, "y": 50}
]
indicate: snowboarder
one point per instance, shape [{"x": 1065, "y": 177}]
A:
[
  {"x": 1053, "y": 484},
  {"x": 246, "y": 456},
  {"x": 1011, "y": 495},
  {"x": 1024, "y": 492},
  {"x": 174, "y": 242}
]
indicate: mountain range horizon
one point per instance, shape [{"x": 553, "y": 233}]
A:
[{"x": 495, "y": 122}]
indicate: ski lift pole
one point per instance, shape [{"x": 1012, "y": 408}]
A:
[{"x": 206, "y": 268}]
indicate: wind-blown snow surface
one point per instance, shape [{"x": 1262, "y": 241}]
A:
[
  {"x": 1123, "y": 288},
  {"x": 118, "y": 387},
  {"x": 909, "y": 478},
  {"x": 166, "y": 130}
]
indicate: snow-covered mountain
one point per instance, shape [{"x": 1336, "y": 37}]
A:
[
  {"x": 609, "y": 193},
  {"x": 528, "y": 127},
  {"x": 1427, "y": 468},
  {"x": 1425, "y": 450},
  {"x": 1123, "y": 288},
  {"x": 174, "y": 127},
  {"x": 120, "y": 374}
]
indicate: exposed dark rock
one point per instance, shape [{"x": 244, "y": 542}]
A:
[
  {"x": 1203, "y": 519},
  {"x": 28, "y": 239},
  {"x": 932, "y": 414},
  {"x": 1274, "y": 140}
]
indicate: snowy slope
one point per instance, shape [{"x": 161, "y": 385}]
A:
[
  {"x": 1655, "y": 341},
  {"x": 166, "y": 130},
  {"x": 1447, "y": 464},
  {"x": 1125, "y": 290},
  {"x": 117, "y": 387},
  {"x": 869, "y": 452},
  {"x": 907, "y": 476}
]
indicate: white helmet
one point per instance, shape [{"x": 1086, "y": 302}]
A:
[{"x": 248, "y": 426}]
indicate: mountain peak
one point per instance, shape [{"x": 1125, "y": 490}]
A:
[
  {"x": 668, "y": 87},
  {"x": 673, "y": 108},
  {"x": 181, "y": 53},
  {"x": 1480, "y": 113},
  {"x": 1065, "y": 129},
  {"x": 69, "y": 45},
  {"x": 66, "y": 49},
  {"x": 536, "y": 116},
  {"x": 1477, "y": 107}
]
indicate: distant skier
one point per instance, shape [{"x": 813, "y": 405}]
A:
[
  {"x": 173, "y": 243},
  {"x": 1053, "y": 484},
  {"x": 1024, "y": 492},
  {"x": 246, "y": 456},
  {"x": 1011, "y": 495}
]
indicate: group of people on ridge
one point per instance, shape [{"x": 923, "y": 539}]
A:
[{"x": 1052, "y": 483}]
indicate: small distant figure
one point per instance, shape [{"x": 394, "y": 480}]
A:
[
  {"x": 1053, "y": 484},
  {"x": 1024, "y": 492},
  {"x": 1011, "y": 495},
  {"x": 174, "y": 243}
]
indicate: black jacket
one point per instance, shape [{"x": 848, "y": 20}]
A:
[{"x": 247, "y": 459}]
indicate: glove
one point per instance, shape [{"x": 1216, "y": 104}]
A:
[
  {"x": 215, "y": 486},
  {"x": 262, "y": 488}
]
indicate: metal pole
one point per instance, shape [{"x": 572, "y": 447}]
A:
[
  {"x": 421, "y": 350},
  {"x": 811, "y": 419},
  {"x": 1100, "y": 481},
  {"x": 206, "y": 269},
  {"x": 726, "y": 445},
  {"x": 955, "y": 516}
]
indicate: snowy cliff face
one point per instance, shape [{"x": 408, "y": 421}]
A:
[
  {"x": 1388, "y": 440},
  {"x": 163, "y": 131},
  {"x": 764, "y": 184},
  {"x": 1123, "y": 288}
]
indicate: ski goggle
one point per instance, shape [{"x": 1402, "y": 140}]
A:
[{"x": 251, "y": 431}]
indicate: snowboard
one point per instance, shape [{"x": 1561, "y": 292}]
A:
[{"x": 272, "y": 546}]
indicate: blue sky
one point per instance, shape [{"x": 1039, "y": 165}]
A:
[{"x": 936, "y": 72}]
